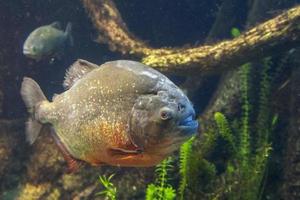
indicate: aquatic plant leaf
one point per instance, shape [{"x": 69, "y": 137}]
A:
[
  {"x": 161, "y": 190},
  {"x": 185, "y": 156},
  {"x": 235, "y": 32},
  {"x": 169, "y": 193},
  {"x": 225, "y": 130},
  {"x": 274, "y": 121},
  {"x": 110, "y": 191},
  {"x": 150, "y": 192}
]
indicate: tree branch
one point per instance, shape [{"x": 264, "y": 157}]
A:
[
  {"x": 280, "y": 33},
  {"x": 113, "y": 31}
]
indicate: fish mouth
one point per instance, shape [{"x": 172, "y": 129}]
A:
[
  {"x": 27, "y": 52},
  {"x": 189, "y": 125}
]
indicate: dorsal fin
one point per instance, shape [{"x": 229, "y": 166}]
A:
[
  {"x": 56, "y": 25},
  {"x": 77, "y": 70}
]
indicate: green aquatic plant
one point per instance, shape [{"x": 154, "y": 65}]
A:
[
  {"x": 236, "y": 151},
  {"x": 265, "y": 124},
  {"x": 200, "y": 173},
  {"x": 244, "y": 146},
  {"x": 110, "y": 191},
  {"x": 185, "y": 159},
  {"x": 154, "y": 192},
  {"x": 225, "y": 131},
  {"x": 161, "y": 190},
  {"x": 235, "y": 32},
  {"x": 263, "y": 127},
  {"x": 254, "y": 147}
]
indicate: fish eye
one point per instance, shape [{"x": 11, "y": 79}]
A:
[
  {"x": 34, "y": 49},
  {"x": 166, "y": 115}
]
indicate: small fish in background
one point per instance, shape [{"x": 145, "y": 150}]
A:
[
  {"x": 122, "y": 113},
  {"x": 48, "y": 41}
]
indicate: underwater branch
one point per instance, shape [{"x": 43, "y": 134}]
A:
[
  {"x": 112, "y": 30},
  {"x": 280, "y": 33}
]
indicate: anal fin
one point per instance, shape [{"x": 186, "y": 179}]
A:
[{"x": 73, "y": 163}]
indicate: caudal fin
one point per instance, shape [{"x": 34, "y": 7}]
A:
[
  {"x": 68, "y": 32},
  {"x": 32, "y": 96}
]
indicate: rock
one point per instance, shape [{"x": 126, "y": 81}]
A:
[
  {"x": 34, "y": 192},
  {"x": 13, "y": 152}
]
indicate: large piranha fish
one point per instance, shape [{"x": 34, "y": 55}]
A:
[{"x": 122, "y": 113}]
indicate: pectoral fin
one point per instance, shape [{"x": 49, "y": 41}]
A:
[{"x": 120, "y": 151}]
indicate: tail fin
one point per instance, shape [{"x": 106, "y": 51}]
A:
[
  {"x": 32, "y": 95},
  {"x": 68, "y": 33}
]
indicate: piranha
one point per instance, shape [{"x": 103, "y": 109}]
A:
[
  {"x": 122, "y": 113},
  {"x": 46, "y": 41}
]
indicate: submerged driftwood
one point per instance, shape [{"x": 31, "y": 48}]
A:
[{"x": 280, "y": 33}]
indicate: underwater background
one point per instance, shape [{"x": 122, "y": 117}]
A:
[{"x": 248, "y": 145}]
